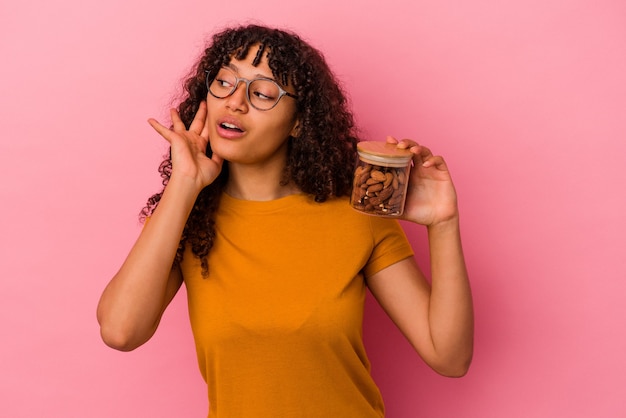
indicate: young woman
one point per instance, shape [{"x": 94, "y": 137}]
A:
[{"x": 254, "y": 218}]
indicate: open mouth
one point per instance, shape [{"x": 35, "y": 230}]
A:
[{"x": 230, "y": 127}]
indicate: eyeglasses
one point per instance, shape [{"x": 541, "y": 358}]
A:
[{"x": 262, "y": 93}]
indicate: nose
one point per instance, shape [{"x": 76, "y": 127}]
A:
[{"x": 238, "y": 101}]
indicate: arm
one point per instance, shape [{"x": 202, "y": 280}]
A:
[
  {"x": 437, "y": 319},
  {"x": 133, "y": 302}
]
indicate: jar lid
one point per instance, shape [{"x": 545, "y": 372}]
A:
[{"x": 383, "y": 152}]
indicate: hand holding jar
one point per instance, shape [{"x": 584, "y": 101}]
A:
[
  {"x": 427, "y": 198},
  {"x": 431, "y": 196}
]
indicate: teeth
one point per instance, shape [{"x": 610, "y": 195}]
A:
[{"x": 229, "y": 126}]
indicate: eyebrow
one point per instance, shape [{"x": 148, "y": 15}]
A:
[{"x": 257, "y": 75}]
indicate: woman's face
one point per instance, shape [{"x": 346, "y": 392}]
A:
[{"x": 242, "y": 134}]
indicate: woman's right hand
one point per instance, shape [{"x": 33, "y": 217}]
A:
[
  {"x": 133, "y": 302},
  {"x": 188, "y": 148}
]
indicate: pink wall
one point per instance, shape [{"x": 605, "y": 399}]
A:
[{"x": 526, "y": 99}]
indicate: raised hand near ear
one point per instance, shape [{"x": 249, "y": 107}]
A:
[{"x": 188, "y": 148}]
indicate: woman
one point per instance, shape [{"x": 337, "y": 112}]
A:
[{"x": 254, "y": 219}]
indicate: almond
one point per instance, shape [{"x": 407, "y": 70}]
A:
[{"x": 378, "y": 175}]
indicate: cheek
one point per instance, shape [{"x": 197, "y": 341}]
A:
[
  {"x": 212, "y": 104},
  {"x": 278, "y": 134},
  {"x": 285, "y": 123}
]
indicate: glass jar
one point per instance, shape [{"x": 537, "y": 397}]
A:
[{"x": 381, "y": 179}]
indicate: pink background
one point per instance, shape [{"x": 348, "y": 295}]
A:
[{"x": 525, "y": 99}]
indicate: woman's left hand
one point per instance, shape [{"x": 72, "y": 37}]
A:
[{"x": 431, "y": 196}]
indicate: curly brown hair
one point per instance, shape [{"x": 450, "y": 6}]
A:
[{"x": 320, "y": 159}]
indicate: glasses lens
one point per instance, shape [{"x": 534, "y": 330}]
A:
[
  {"x": 263, "y": 93},
  {"x": 223, "y": 84}
]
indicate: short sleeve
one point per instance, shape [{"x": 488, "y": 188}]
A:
[{"x": 390, "y": 245}]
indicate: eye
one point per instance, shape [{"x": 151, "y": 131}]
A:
[
  {"x": 223, "y": 82},
  {"x": 263, "y": 96},
  {"x": 264, "y": 90}
]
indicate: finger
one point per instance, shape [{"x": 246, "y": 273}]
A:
[
  {"x": 406, "y": 143},
  {"x": 177, "y": 122},
  {"x": 423, "y": 152},
  {"x": 436, "y": 161},
  {"x": 391, "y": 140},
  {"x": 162, "y": 130},
  {"x": 205, "y": 129},
  {"x": 199, "y": 119}
]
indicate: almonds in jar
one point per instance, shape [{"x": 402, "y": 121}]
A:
[{"x": 381, "y": 179}]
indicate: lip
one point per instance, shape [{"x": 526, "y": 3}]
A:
[{"x": 230, "y": 133}]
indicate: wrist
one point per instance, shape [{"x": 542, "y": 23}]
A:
[
  {"x": 446, "y": 225},
  {"x": 184, "y": 184},
  {"x": 182, "y": 192}
]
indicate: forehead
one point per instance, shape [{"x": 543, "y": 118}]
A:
[
  {"x": 244, "y": 68},
  {"x": 255, "y": 62}
]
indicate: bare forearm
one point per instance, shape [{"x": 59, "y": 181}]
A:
[
  {"x": 451, "y": 312},
  {"x": 133, "y": 302}
]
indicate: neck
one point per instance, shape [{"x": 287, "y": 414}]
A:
[{"x": 255, "y": 183}]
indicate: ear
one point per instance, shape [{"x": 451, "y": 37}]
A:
[{"x": 295, "y": 131}]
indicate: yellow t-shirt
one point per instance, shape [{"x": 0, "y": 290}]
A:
[{"x": 278, "y": 321}]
